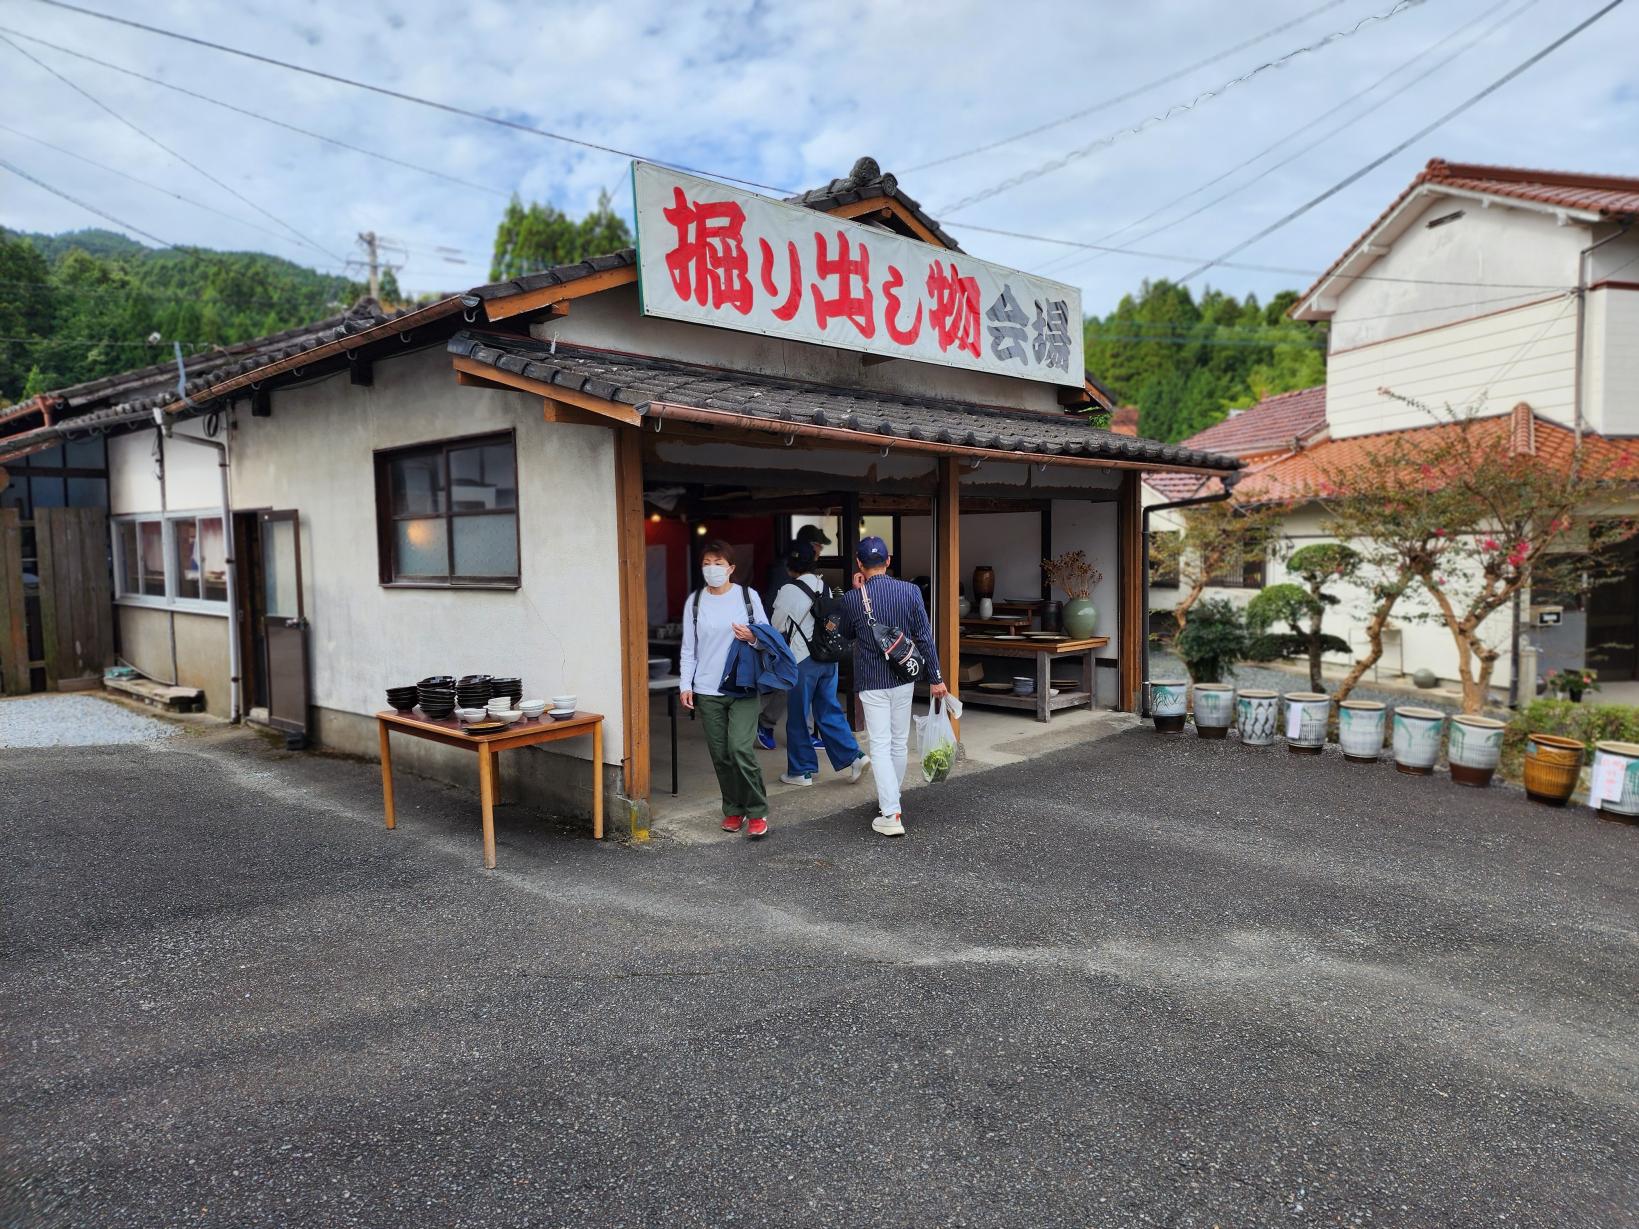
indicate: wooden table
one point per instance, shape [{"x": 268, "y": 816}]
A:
[
  {"x": 1046, "y": 652},
  {"x": 525, "y": 732},
  {"x": 1011, "y": 625}
]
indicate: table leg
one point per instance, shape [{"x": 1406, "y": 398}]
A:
[
  {"x": 1044, "y": 680},
  {"x": 1091, "y": 671},
  {"x": 597, "y": 782},
  {"x": 671, "y": 711},
  {"x": 486, "y": 796},
  {"x": 387, "y": 772}
]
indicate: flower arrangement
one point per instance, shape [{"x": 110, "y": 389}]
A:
[
  {"x": 1571, "y": 683},
  {"x": 1072, "y": 573}
]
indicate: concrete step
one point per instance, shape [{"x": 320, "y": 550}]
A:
[{"x": 159, "y": 695}]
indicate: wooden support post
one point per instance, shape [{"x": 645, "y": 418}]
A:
[
  {"x": 1134, "y": 588},
  {"x": 14, "y": 671},
  {"x": 634, "y": 616},
  {"x": 947, "y": 628}
]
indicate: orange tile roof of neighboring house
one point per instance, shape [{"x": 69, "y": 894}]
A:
[
  {"x": 1607, "y": 195},
  {"x": 1303, "y": 475},
  {"x": 1273, "y": 425},
  {"x": 1124, "y": 420}
]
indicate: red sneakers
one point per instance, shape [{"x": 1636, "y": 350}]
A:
[
  {"x": 731, "y": 823},
  {"x": 757, "y": 827}
]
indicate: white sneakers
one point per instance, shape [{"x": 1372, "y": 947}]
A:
[
  {"x": 857, "y": 768},
  {"x": 888, "y": 825},
  {"x": 803, "y": 778}
]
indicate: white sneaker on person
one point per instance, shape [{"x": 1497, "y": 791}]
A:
[
  {"x": 801, "y": 778},
  {"x": 857, "y": 768},
  {"x": 888, "y": 825}
]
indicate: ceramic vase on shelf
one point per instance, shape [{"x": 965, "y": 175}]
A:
[
  {"x": 1052, "y": 616},
  {"x": 986, "y": 608},
  {"x": 1307, "y": 715},
  {"x": 1169, "y": 700},
  {"x": 1080, "y": 618},
  {"x": 984, "y": 581},
  {"x": 1255, "y": 715},
  {"x": 1474, "y": 749},
  {"x": 1360, "y": 729},
  {"x": 963, "y": 606},
  {"x": 1553, "y": 765},
  {"x": 1214, "y": 709},
  {"x": 1613, "y": 786},
  {"x": 1417, "y": 739}
]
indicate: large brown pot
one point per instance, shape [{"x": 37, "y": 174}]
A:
[
  {"x": 984, "y": 581},
  {"x": 1552, "y": 766}
]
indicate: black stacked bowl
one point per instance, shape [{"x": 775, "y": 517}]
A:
[
  {"x": 435, "y": 696},
  {"x": 473, "y": 691},
  {"x": 513, "y": 687},
  {"x": 403, "y": 698}
]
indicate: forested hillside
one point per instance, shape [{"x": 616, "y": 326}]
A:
[
  {"x": 79, "y": 305},
  {"x": 1186, "y": 364}
]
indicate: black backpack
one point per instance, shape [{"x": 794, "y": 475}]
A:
[{"x": 827, "y": 644}]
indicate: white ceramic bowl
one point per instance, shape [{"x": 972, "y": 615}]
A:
[
  {"x": 532, "y": 708},
  {"x": 508, "y": 715},
  {"x": 564, "y": 703},
  {"x": 471, "y": 714},
  {"x": 499, "y": 704}
]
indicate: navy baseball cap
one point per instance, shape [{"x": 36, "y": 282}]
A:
[{"x": 871, "y": 551}]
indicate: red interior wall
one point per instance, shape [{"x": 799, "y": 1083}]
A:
[
  {"x": 683, "y": 544},
  {"x": 674, "y": 535}
]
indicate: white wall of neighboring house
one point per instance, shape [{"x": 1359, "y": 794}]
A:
[{"x": 1479, "y": 313}]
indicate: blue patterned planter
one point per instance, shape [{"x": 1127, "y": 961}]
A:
[
  {"x": 1255, "y": 714},
  {"x": 1214, "y": 709},
  {"x": 1417, "y": 739},
  {"x": 1169, "y": 701},
  {"x": 1360, "y": 726},
  {"x": 1308, "y": 713}
]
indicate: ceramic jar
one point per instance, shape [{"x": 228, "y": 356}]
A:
[
  {"x": 984, "y": 581},
  {"x": 1052, "y": 616},
  {"x": 1169, "y": 700},
  {"x": 1553, "y": 764},
  {"x": 1080, "y": 618},
  {"x": 1360, "y": 730},
  {"x": 986, "y": 608},
  {"x": 1307, "y": 715},
  {"x": 1417, "y": 739},
  {"x": 1214, "y": 709},
  {"x": 1474, "y": 749},
  {"x": 963, "y": 606},
  {"x": 1255, "y": 715},
  {"x": 1614, "y": 784}
]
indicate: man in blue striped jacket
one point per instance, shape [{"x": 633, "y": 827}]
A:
[{"x": 886, "y": 701}]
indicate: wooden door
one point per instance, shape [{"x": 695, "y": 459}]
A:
[
  {"x": 76, "y": 593},
  {"x": 284, "y": 625}
]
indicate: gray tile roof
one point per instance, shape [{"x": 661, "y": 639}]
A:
[
  {"x": 638, "y": 381},
  {"x": 557, "y": 275}
]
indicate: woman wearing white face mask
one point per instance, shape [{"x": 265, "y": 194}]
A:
[{"x": 713, "y": 618}]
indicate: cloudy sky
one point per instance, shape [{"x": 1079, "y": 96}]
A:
[{"x": 787, "y": 94}]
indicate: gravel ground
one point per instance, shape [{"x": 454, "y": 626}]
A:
[
  {"x": 75, "y": 721},
  {"x": 1165, "y": 665},
  {"x": 1147, "y": 981}
]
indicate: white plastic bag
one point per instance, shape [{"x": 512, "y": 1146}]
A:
[{"x": 936, "y": 739}]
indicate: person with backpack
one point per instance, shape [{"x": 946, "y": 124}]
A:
[
  {"x": 803, "y": 610},
  {"x": 773, "y": 710},
  {"x": 893, "y": 649},
  {"x": 714, "y": 617}
]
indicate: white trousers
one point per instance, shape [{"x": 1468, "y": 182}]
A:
[{"x": 888, "y": 726}]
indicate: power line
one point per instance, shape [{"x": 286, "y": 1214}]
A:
[
  {"x": 1255, "y": 268},
  {"x": 1168, "y": 79},
  {"x": 40, "y": 183},
  {"x": 1064, "y": 160},
  {"x": 1298, "y": 153},
  {"x": 153, "y": 140},
  {"x": 153, "y": 186},
  {"x": 447, "y": 108},
  {"x": 257, "y": 115},
  {"x": 1409, "y": 141}
]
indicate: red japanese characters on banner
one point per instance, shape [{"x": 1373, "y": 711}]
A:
[{"x": 838, "y": 283}]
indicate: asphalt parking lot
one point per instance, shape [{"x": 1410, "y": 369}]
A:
[{"x": 1146, "y": 981}]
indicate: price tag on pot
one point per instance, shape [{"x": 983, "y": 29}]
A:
[
  {"x": 1605, "y": 783},
  {"x": 1294, "y": 721}
]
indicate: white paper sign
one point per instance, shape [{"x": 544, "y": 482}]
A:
[
  {"x": 709, "y": 254},
  {"x": 1606, "y": 780},
  {"x": 1294, "y": 721}
]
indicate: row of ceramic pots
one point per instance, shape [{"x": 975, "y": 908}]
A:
[{"x": 1553, "y": 765}]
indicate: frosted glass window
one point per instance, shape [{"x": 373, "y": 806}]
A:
[
  {"x": 418, "y": 484},
  {"x": 422, "y": 548},
  {"x": 485, "y": 545},
  {"x": 279, "y": 567}
]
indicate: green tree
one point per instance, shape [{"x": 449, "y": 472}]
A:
[
  {"x": 26, "y": 309},
  {"x": 1302, "y": 608}
]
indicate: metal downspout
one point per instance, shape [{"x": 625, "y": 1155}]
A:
[{"x": 1229, "y": 480}]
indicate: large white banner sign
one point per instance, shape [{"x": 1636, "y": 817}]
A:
[{"x": 709, "y": 254}]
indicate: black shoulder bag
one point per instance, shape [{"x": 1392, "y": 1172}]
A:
[{"x": 905, "y": 660}]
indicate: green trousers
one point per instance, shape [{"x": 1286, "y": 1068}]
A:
[{"x": 731, "y": 737}]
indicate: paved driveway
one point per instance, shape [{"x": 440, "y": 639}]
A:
[{"x": 1144, "y": 982}]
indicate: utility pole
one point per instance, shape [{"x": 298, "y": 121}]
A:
[{"x": 372, "y": 262}]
